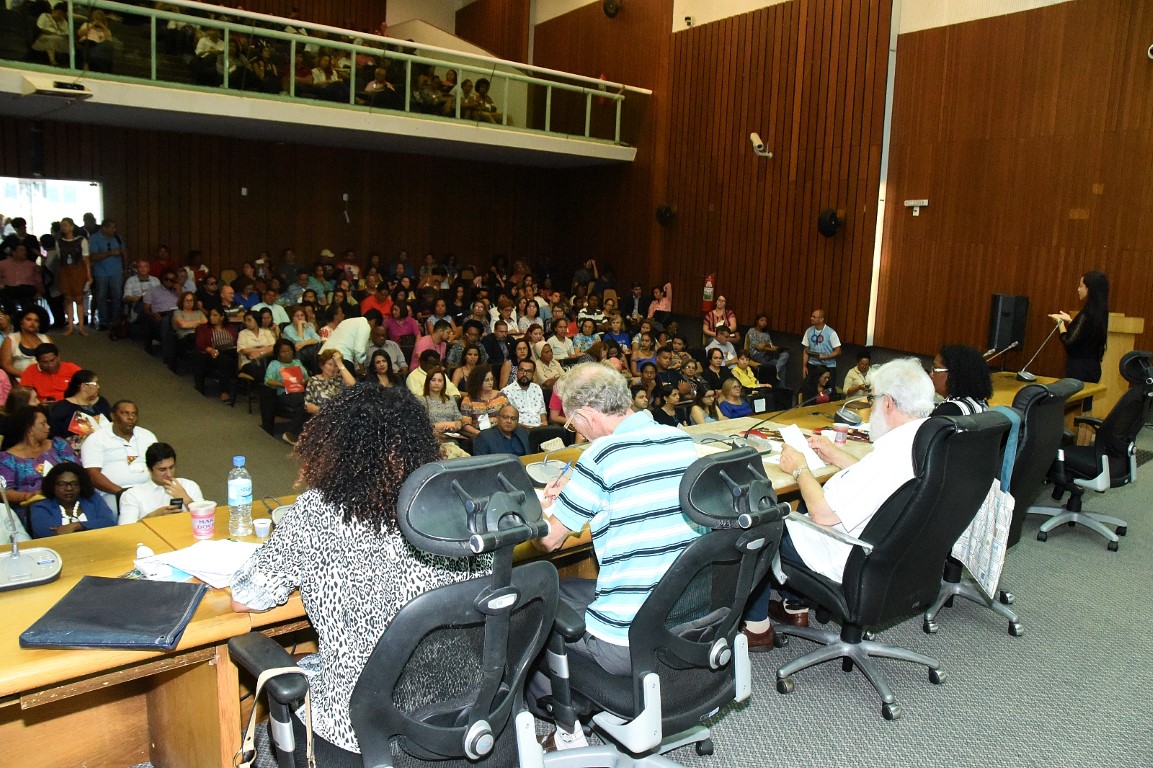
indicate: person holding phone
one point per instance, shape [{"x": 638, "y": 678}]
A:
[{"x": 164, "y": 493}]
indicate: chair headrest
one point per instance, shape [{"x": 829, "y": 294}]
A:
[
  {"x": 1137, "y": 368},
  {"x": 464, "y": 507},
  {"x": 729, "y": 489},
  {"x": 1059, "y": 390}
]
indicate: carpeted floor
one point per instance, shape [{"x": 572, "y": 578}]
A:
[{"x": 1072, "y": 691}]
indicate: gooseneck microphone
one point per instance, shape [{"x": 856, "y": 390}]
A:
[
  {"x": 993, "y": 354},
  {"x": 1023, "y": 374}
]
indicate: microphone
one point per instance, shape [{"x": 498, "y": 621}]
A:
[
  {"x": 996, "y": 354},
  {"x": 1023, "y": 374},
  {"x": 845, "y": 416},
  {"x": 988, "y": 352},
  {"x": 32, "y": 567}
]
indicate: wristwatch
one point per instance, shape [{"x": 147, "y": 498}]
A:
[{"x": 797, "y": 472}]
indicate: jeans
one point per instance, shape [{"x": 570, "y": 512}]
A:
[
  {"x": 757, "y": 609},
  {"x": 106, "y": 295}
]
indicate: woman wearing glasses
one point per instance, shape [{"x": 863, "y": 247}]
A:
[
  {"x": 82, "y": 411},
  {"x": 70, "y": 503},
  {"x": 961, "y": 376}
]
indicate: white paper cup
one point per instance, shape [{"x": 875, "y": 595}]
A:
[{"x": 262, "y": 526}]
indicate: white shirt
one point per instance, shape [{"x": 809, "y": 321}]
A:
[
  {"x": 351, "y": 338},
  {"x": 121, "y": 461},
  {"x": 529, "y": 402},
  {"x": 855, "y": 494},
  {"x": 416, "y": 379},
  {"x": 139, "y": 500}
]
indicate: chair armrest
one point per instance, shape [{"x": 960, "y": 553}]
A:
[
  {"x": 833, "y": 533},
  {"x": 1087, "y": 421},
  {"x": 568, "y": 623},
  {"x": 257, "y": 652}
]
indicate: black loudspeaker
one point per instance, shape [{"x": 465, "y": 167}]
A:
[
  {"x": 36, "y": 148},
  {"x": 1007, "y": 320},
  {"x": 611, "y": 8},
  {"x": 829, "y": 222},
  {"x": 666, "y": 215}
]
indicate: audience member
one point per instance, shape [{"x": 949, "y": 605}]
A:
[
  {"x": 482, "y": 400},
  {"x": 378, "y": 369},
  {"x": 160, "y": 304},
  {"x": 731, "y": 404},
  {"x": 70, "y": 503},
  {"x": 185, "y": 320},
  {"x": 721, "y": 341},
  {"x": 333, "y": 377},
  {"x": 21, "y": 281},
  {"x": 136, "y": 287},
  {"x": 218, "y": 358},
  {"x": 18, "y": 351},
  {"x": 437, "y": 340},
  {"x": 704, "y": 409},
  {"x": 526, "y": 395},
  {"x": 470, "y": 333},
  {"x": 82, "y": 410},
  {"x": 380, "y": 300},
  {"x": 548, "y": 370},
  {"x": 666, "y": 412},
  {"x": 253, "y": 348},
  {"x": 856, "y": 380},
  {"x": 507, "y": 436},
  {"x": 961, "y": 376},
  {"x": 154, "y": 497},
  {"x": 49, "y": 377},
  {"x": 759, "y": 343},
  {"x": 820, "y": 348},
  {"x": 112, "y": 457},
  {"x": 470, "y": 359},
  {"x": 661, "y": 307},
  {"x": 720, "y": 314},
  {"x": 106, "y": 254},
  {"x": 378, "y": 341},
  {"x": 351, "y": 337},
  {"x": 429, "y": 359},
  {"x": 288, "y": 378},
  {"x": 442, "y": 409},
  {"x": 271, "y": 301},
  {"x": 24, "y": 464}
]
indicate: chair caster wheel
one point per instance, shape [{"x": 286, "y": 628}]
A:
[
  {"x": 1042, "y": 536},
  {"x": 930, "y": 627},
  {"x": 869, "y": 635},
  {"x": 1007, "y": 598},
  {"x": 891, "y": 711},
  {"x": 1121, "y": 530},
  {"x": 1015, "y": 629},
  {"x": 704, "y": 747},
  {"x": 1112, "y": 546},
  {"x": 780, "y": 641},
  {"x": 785, "y": 685},
  {"x": 937, "y": 676},
  {"x": 1071, "y": 523}
]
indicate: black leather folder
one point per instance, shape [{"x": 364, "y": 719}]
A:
[{"x": 117, "y": 613}]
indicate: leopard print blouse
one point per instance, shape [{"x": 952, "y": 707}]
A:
[{"x": 352, "y": 581}]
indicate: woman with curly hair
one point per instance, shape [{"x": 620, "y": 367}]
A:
[
  {"x": 482, "y": 400},
  {"x": 339, "y": 544},
  {"x": 70, "y": 503},
  {"x": 961, "y": 376}
]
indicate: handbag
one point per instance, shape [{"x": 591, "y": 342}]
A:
[
  {"x": 246, "y": 756},
  {"x": 982, "y": 547}
]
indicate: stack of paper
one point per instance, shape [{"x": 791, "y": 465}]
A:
[{"x": 213, "y": 562}]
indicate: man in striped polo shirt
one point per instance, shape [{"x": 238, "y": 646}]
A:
[{"x": 625, "y": 487}]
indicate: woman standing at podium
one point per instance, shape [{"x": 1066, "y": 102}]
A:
[{"x": 1084, "y": 336}]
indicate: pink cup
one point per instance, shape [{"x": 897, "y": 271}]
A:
[
  {"x": 841, "y": 433},
  {"x": 203, "y": 519}
]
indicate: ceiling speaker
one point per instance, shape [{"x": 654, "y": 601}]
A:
[
  {"x": 666, "y": 215},
  {"x": 828, "y": 222},
  {"x": 611, "y": 8}
]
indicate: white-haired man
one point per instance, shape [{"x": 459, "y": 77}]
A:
[{"x": 902, "y": 398}]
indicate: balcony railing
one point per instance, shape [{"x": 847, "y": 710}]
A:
[{"x": 197, "y": 46}]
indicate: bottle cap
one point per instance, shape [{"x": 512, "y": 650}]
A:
[{"x": 238, "y": 461}]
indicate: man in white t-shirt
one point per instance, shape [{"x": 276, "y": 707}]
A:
[
  {"x": 154, "y": 497},
  {"x": 527, "y": 396},
  {"x": 114, "y": 455}
]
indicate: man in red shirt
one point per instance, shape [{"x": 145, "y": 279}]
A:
[
  {"x": 49, "y": 377},
  {"x": 380, "y": 301}
]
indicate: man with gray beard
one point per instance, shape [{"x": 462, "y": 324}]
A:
[{"x": 902, "y": 399}]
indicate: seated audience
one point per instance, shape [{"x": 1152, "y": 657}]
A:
[
  {"x": 288, "y": 379},
  {"x": 153, "y": 497},
  {"x": 49, "y": 377},
  {"x": 526, "y": 395},
  {"x": 759, "y": 343},
  {"x": 640, "y": 398},
  {"x": 342, "y": 532},
  {"x": 961, "y": 376},
  {"x": 24, "y": 464},
  {"x": 82, "y": 411},
  {"x": 429, "y": 359},
  {"x": 666, "y": 412},
  {"x": 437, "y": 340},
  {"x": 351, "y": 336},
  {"x": 160, "y": 304},
  {"x": 856, "y": 384},
  {"x": 720, "y": 314},
  {"x": 482, "y": 400},
  {"x": 507, "y": 436},
  {"x": 112, "y": 457},
  {"x": 520, "y": 351},
  {"x": 400, "y": 323},
  {"x": 721, "y": 341},
  {"x": 333, "y": 377},
  {"x": 470, "y": 334},
  {"x": 185, "y": 320},
  {"x": 715, "y": 372},
  {"x": 18, "y": 350},
  {"x": 378, "y": 341},
  {"x": 379, "y": 369},
  {"x": 731, "y": 404},
  {"x": 444, "y": 412},
  {"x": 562, "y": 346},
  {"x": 705, "y": 410},
  {"x": 470, "y": 358},
  {"x": 21, "y": 281},
  {"x": 70, "y": 503},
  {"x": 271, "y": 302},
  {"x": 216, "y": 345},
  {"x": 548, "y": 370}
]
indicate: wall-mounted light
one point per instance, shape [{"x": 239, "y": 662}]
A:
[{"x": 758, "y": 145}]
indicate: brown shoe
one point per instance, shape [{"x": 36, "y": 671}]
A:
[
  {"x": 760, "y": 641},
  {"x": 781, "y": 613}
]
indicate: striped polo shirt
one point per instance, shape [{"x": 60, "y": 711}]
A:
[{"x": 625, "y": 486}]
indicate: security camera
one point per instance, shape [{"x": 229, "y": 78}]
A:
[
  {"x": 755, "y": 140},
  {"x": 688, "y": 21},
  {"x": 1150, "y": 51}
]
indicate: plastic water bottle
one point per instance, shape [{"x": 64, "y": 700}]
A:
[{"x": 239, "y": 499}]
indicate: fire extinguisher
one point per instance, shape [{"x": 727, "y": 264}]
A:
[{"x": 707, "y": 296}]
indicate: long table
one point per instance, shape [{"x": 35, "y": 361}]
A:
[{"x": 64, "y": 708}]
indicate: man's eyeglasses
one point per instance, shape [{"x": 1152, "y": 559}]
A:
[
  {"x": 872, "y": 398},
  {"x": 568, "y": 425},
  {"x": 930, "y": 369}
]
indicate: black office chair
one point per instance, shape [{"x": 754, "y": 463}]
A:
[
  {"x": 1042, "y": 410},
  {"x": 895, "y": 570},
  {"x": 689, "y": 657},
  {"x": 1110, "y": 462},
  {"x": 446, "y": 678}
]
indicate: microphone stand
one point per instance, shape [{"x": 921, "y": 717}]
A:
[
  {"x": 33, "y": 566},
  {"x": 1023, "y": 374}
]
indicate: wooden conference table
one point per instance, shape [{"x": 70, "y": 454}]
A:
[{"x": 62, "y": 708}]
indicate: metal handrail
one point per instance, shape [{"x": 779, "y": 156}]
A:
[{"x": 581, "y": 86}]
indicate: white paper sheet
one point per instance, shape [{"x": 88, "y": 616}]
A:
[
  {"x": 792, "y": 435},
  {"x": 213, "y": 562}
]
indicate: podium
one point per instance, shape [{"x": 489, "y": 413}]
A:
[{"x": 1123, "y": 333}]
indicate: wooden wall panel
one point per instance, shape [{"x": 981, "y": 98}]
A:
[
  {"x": 809, "y": 77},
  {"x": 498, "y": 26},
  {"x": 360, "y": 15},
  {"x": 185, "y": 191},
  {"x": 1029, "y": 134}
]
